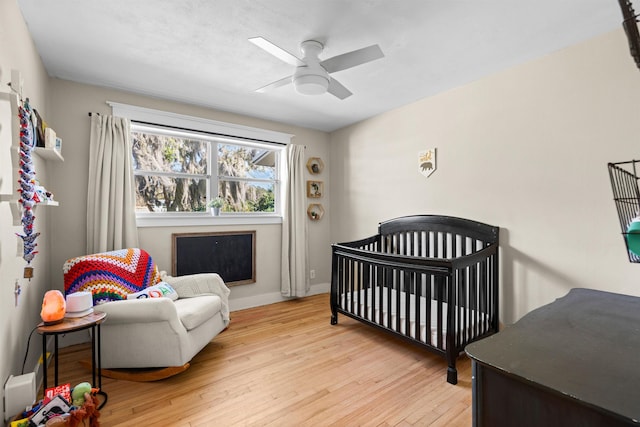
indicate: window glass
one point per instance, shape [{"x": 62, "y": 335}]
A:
[
  {"x": 170, "y": 194},
  {"x": 173, "y": 172},
  {"x": 247, "y": 196},
  {"x": 168, "y": 153}
]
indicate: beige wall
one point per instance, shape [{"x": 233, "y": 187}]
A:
[
  {"x": 527, "y": 150},
  {"x": 73, "y": 101},
  {"x": 16, "y": 321}
]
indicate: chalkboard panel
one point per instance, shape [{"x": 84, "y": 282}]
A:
[{"x": 230, "y": 254}]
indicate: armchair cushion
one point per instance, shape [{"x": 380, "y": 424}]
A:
[
  {"x": 195, "y": 285},
  {"x": 194, "y": 312},
  {"x": 141, "y": 311}
]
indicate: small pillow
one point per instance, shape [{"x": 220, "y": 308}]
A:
[{"x": 162, "y": 289}]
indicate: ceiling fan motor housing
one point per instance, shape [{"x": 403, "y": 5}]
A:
[
  {"x": 311, "y": 79},
  {"x": 312, "y": 76}
]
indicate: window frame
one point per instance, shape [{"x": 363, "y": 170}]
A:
[{"x": 222, "y": 133}]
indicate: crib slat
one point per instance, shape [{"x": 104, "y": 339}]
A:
[
  {"x": 417, "y": 279},
  {"x": 440, "y": 281},
  {"x": 396, "y": 325},
  {"x": 351, "y": 286},
  {"x": 366, "y": 278},
  {"x": 407, "y": 303},
  {"x": 452, "y": 317},
  {"x": 454, "y": 245},
  {"x": 458, "y": 306},
  {"x": 482, "y": 300},
  {"x": 377, "y": 301},
  {"x": 389, "y": 301},
  {"x": 357, "y": 272},
  {"x": 427, "y": 316}
]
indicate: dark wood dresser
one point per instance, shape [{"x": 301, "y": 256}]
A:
[{"x": 574, "y": 362}]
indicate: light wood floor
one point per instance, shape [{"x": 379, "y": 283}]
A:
[{"x": 285, "y": 365}]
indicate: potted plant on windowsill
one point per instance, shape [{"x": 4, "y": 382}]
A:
[{"x": 215, "y": 204}]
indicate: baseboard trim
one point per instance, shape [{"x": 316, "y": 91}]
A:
[{"x": 272, "y": 298}]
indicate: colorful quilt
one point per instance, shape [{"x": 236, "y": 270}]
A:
[{"x": 110, "y": 276}]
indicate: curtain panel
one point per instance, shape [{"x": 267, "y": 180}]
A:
[
  {"x": 111, "y": 220},
  {"x": 294, "y": 227}
]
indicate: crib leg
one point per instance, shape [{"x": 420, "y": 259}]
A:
[
  {"x": 334, "y": 314},
  {"x": 452, "y": 375},
  {"x": 334, "y": 310},
  {"x": 452, "y": 372}
]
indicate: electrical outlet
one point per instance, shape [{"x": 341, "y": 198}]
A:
[{"x": 312, "y": 274}]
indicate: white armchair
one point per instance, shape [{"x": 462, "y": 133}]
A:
[{"x": 149, "y": 332}]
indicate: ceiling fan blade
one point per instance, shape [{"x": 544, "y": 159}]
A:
[
  {"x": 336, "y": 89},
  {"x": 276, "y": 51},
  {"x": 351, "y": 59},
  {"x": 277, "y": 83}
]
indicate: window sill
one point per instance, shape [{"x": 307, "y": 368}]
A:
[{"x": 185, "y": 220}]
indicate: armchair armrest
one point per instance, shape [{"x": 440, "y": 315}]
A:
[{"x": 194, "y": 285}]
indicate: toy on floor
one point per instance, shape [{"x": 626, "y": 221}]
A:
[
  {"x": 88, "y": 411},
  {"x": 78, "y": 392}
]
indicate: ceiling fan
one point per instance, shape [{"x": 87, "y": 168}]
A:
[{"x": 312, "y": 76}]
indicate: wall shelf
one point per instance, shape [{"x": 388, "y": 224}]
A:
[
  {"x": 315, "y": 165},
  {"x": 5, "y": 198},
  {"x": 315, "y": 211},
  {"x": 49, "y": 154}
]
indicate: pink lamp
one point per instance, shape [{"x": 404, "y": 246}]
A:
[{"x": 53, "y": 307}]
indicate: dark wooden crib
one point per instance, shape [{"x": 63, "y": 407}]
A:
[{"x": 432, "y": 280}]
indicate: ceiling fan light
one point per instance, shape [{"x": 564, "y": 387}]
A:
[{"x": 311, "y": 84}]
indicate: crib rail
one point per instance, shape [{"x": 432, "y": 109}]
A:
[{"x": 436, "y": 287}]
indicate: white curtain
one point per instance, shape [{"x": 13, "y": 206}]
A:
[
  {"x": 294, "y": 227},
  {"x": 111, "y": 220}
]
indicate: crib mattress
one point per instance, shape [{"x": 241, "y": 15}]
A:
[{"x": 364, "y": 306}]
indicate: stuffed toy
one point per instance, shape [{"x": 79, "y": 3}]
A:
[
  {"x": 88, "y": 411},
  {"x": 78, "y": 392}
]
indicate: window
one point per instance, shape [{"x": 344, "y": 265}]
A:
[
  {"x": 181, "y": 171},
  {"x": 181, "y": 163}
]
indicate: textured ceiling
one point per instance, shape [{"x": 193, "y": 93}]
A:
[{"x": 196, "y": 51}]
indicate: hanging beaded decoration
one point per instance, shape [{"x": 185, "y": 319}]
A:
[{"x": 26, "y": 190}]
